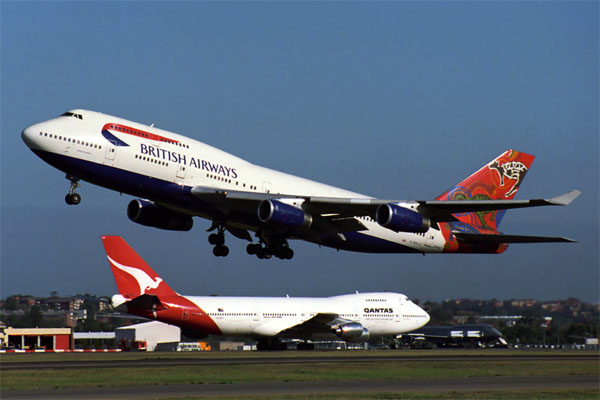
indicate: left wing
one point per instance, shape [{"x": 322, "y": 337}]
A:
[{"x": 321, "y": 322}]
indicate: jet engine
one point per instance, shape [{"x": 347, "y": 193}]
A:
[
  {"x": 147, "y": 213},
  {"x": 352, "y": 332},
  {"x": 401, "y": 219},
  {"x": 278, "y": 212}
]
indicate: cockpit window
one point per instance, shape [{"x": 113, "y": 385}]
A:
[{"x": 70, "y": 114}]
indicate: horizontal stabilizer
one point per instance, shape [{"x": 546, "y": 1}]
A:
[
  {"x": 145, "y": 302},
  {"x": 490, "y": 238}
]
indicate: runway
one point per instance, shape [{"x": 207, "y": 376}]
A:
[
  {"x": 307, "y": 388},
  {"x": 283, "y": 358}
]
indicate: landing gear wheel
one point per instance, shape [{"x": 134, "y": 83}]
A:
[
  {"x": 251, "y": 249},
  {"x": 263, "y": 253},
  {"x": 220, "y": 251},
  {"x": 216, "y": 239},
  {"x": 284, "y": 253},
  {"x": 73, "y": 199}
]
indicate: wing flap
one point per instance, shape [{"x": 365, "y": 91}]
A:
[{"x": 346, "y": 224}]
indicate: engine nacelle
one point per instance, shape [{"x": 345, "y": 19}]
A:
[
  {"x": 352, "y": 332},
  {"x": 400, "y": 219},
  {"x": 147, "y": 213},
  {"x": 278, "y": 212}
]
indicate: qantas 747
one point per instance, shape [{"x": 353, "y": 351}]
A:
[
  {"x": 352, "y": 318},
  {"x": 177, "y": 178}
]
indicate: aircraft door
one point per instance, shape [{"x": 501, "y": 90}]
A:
[
  {"x": 400, "y": 314},
  {"x": 180, "y": 174},
  {"x": 266, "y": 187},
  {"x": 110, "y": 153},
  {"x": 181, "y": 171}
]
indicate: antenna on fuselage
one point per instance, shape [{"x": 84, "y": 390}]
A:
[{"x": 152, "y": 125}]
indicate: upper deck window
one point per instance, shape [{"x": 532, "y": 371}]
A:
[{"x": 70, "y": 114}]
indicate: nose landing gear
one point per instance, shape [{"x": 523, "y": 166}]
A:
[{"x": 73, "y": 198}]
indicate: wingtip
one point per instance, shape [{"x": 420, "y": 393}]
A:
[
  {"x": 569, "y": 240},
  {"x": 565, "y": 199}
]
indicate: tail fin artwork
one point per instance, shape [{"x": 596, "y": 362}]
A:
[
  {"x": 133, "y": 276},
  {"x": 144, "y": 293},
  {"x": 498, "y": 180}
]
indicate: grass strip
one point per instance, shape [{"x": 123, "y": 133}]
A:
[
  {"x": 533, "y": 394},
  {"x": 235, "y": 373}
]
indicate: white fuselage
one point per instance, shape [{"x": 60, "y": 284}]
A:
[
  {"x": 380, "y": 313},
  {"x": 163, "y": 166}
]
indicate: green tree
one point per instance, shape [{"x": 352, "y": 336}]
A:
[
  {"x": 35, "y": 316},
  {"x": 10, "y": 304}
]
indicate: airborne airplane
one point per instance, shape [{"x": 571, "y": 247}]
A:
[
  {"x": 177, "y": 178},
  {"x": 352, "y": 318}
]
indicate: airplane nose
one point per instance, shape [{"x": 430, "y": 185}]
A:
[
  {"x": 29, "y": 136},
  {"x": 427, "y": 317},
  {"x": 425, "y": 320}
]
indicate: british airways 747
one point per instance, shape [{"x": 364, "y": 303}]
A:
[{"x": 177, "y": 178}]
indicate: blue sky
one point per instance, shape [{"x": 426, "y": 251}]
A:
[{"x": 395, "y": 100}]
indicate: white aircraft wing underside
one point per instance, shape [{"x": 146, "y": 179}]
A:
[{"x": 321, "y": 322}]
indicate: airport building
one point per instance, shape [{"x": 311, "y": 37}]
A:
[
  {"x": 37, "y": 338},
  {"x": 146, "y": 336},
  {"x": 96, "y": 340}
]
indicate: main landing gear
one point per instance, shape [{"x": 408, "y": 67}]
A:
[
  {"x": 270, "y": 244},
  {"x": 218, "y": 240},
  {"x": 73, "y": 198},
  {"x": 279, "y": 249}
]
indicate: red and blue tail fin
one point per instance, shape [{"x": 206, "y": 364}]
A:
[
  {"x": 133, "y": 276},
  {"x": 498, "y": 180}
]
